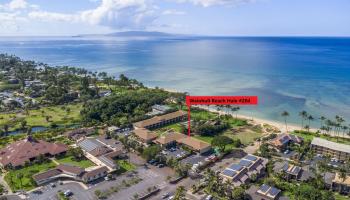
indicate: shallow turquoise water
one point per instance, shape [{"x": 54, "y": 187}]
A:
[{"x": 290, "y": 74}]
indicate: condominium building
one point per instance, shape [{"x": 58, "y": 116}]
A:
[
  {"x": 333, "y": 149},
  {"x": 159, "y": 121}
]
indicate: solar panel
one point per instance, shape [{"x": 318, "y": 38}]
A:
[
  {"x": 264, "y": 188},
  {"x": 236, "y": 167},
  {"x": 107, "y": 161},
  {"x": 230, "y": 173},
  {"x": 88, "y": 145},
  {"x": 250, "y": 157},
  {"x": 245, "y": 163},
  {"x": 285, "y": 167},
  {"x": 274, "y": 191},
  {"x": 296, "y": 170}
]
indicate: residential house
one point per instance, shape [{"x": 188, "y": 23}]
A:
[
  {"x": 247, "y": 167},
  {"x": 268, "y": 192},
  {"x": 282, "y": 141},
  {"x": 341, "y": 185}
]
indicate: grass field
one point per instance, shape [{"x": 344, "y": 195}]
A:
[
  {"x": 26, "y": 182},
  {"x": 341, "y": 197},
  {"x": 310, "y": 136},
  {"x": 70, "y": 161},
  {"x": 56, "y": 114},
  {"x": 246, "y": 137},
  {"x": 175, "y": 127},
  {"x": 125, "y": 166}
]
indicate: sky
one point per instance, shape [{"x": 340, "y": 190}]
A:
[{"x": 199, "y": 17}]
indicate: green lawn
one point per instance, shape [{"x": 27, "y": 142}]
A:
[
  {"x": 341, "y": 197},
  {"x": 175, "y": 127},
  {"x": 125, "y": 166},
  {"x": 37, "y": 117},
  {"x": 26, "y": 182},
  {"x": 70, "y": 161},
  {"x": 246, "y": 137}
]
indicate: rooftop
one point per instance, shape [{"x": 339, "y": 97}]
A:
[
  {"x": 339, "y": 180},
  {"x": 94, "y": 147},
  {"x": 21, "y": 151},
  {"x": 285, "y": 138},
  {"x": 145, "y": 134},
  {"x": 158, "y": 119},
  {"x": 170, "y": 137},
  {"x": 194, "y": 143},
  {"x": 95, "y": 172},
  {"x": 268, "y": 191},
  {"x": 331, "y": 145}
]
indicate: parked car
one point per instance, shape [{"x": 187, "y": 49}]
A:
[
  {"x": 151, "y": 162},
  {"x": 209, "y": 197},
  {"x": 171, "y": 198},
  {"x": 161, "y": 165},
  {"x": 166, "y": 195},
  {"x": 286, "y": 152},
  {"x": 68, "y": 193},
  {"x": 53, "y": 185}
]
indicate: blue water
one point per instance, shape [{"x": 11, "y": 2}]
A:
[{"x": 290, "y": 74}]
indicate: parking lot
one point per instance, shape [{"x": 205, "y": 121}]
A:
[
  {"x": 175, "y": 153},
  {"x": 196, "y": 158},
  {"x": 151, "y": 176}
]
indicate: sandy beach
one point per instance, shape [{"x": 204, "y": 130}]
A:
[{"x": 280, "y": 125}]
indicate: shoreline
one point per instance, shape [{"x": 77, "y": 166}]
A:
[
  {"x": 279, "y": 125},
  {"x": 256, "y": 120}
]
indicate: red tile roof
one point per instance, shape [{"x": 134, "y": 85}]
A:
[{"x": 17, "y": 153}]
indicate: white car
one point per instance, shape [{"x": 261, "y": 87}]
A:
[
  {"x": 209, "y": 197},
  {"x": 68, "y": 193}
]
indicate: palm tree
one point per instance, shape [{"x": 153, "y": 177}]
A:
[
  {"x": 235, "y": 109},
  {"x": 180, "y": 193},
  {"x": 342, "y": 174},
  {"x": 303, "y": 114},
  {"x": 322, "y": 118},
  {"x": 285, "y": 114},
  {"x": 310, "y": 118}
]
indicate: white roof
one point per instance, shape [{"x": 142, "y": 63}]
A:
[{"x": 331, "y": 145}]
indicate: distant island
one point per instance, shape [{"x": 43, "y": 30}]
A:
[{"x": 133, "y": 34}]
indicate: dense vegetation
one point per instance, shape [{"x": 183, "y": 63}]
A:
[{"x": 124, "y": 109}]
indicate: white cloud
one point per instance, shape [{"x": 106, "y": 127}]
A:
[
  {"x": 173, "y": 12},
  {"x": 116, "y": 14},
  {"x": 120, "y": 14},
  {"x": 207, "y": 3},
  {"x": 52, "y": 16},
  {"x": 17, "y": 4}
]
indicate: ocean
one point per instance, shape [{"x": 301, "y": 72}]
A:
[{"x": 287, "y": 73}]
